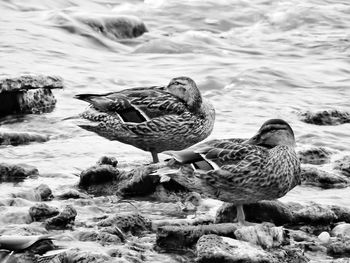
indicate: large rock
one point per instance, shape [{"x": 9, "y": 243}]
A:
[
  {"x": 315, "y": 155},
  {"x": 339, "y": 248},
  {"x": 327, "y": 117},
  {"x": 42, "y": 211},
  {"x": 114, "y": 27},
  {"x": 217, "y": 249},
  {"x": 16, "y": 172},
  {"x": 342, "y": 231},
  {"x": 316, "y": 177},
  {"x": 343, "y": 165},
  {"x": 127, "y": 222},
  {"x": 265, "y": 235},
  {"x": 28, "y": 94},
  {"x": 287, "y": 213},
  {"x": 179, "y": 237},
  {"x": 65, "y": 219},
  {"x": 103, "y": 238},
  {"x": 19, "y": 138}
]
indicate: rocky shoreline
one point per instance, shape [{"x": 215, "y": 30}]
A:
[{"x": 186, "y": 232}]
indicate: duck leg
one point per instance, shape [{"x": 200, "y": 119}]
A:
[
  {"x": 155, "y": 157},
  {"x": 240, "y": 215}
]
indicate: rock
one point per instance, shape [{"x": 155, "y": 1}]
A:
[
  {"x": 324, "y": 237},
  {"x": 314, "y": 214},
  {"x": 327, "y": 117},
  {"x": 103, "y": 238},
  {"x": 339, "y": 248},
  {"x": 215, "y": 249},
  {"x": 286, "y": 213},
  {"x": 44, "y": 192},
  {"x": 139, "y": 182},
  {"x": 114, "y": 27},
  {"x": 33, "y": 229},
  {"x": 316, "y": 177},
  {"x": 28, "y": 94},
  {"x": 264, "y": 211},
  {"x": 290, "y": 254},
  {"x": 16, "y": 172},
  {"x": 178, "y": 237},
  {"x": 42, "y": 211},
  {"x": 343, "y": 165},
  {"x": 127, "y": 222},
  {"x": 19, "y": 138},
  {"x": 265, "y": 235},
  {"x": 342, "y": 231},
  {"x": 73, "y": 194},
  {"x": 65, "y": 219},
  {"x": 315, "y": 155},
  {"x": 108, "y": 160},
  {"x": 98, "y": 175},
  {"x": 76, "y": 255}
]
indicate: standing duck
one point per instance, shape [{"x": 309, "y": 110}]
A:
[
  {"x": 264, "y": 167},
  {"x": 154, "y": 119}
]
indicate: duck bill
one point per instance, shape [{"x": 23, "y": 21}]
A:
[{"x": 255, "y": 140}]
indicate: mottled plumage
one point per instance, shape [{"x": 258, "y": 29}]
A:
[
  {"x": 264, "y": 167},
  {"x": 153, "y": 119}
]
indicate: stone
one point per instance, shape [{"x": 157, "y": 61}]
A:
[
  {"x": 343, "y": 165},
  {"x": 16, "y": 172},
  {"x": 28, "y": 94},
  {"x": 114, "y": 27},
  {"x": 76, "y": 255},
  {"x": 108, "y": 160},
  {"x": 324, "y": 237},
  {"x": 342, "y": 231},
  {"x": 314, "y": 155},
  {"x": 20, "y": 138},
  {"x": 103, "y": 238},
  {"x": 98, "y": 175},
  {"x": 127, "y": 222},
  {"x": 65, "y": 219},
  {"x": 314, "y": 214},
  {"x": 179, "y": 237},
  {"x": 316, "y": 177},
  {"x": 342, "y": 213},
  {"x": 42, "y": 211},
  {"x": 326, "y": 117},
  {"x": 339, "y": 248},
  {"x": 73, "y": 194},
  {"x": 217, "y": 249},
  {"x": 265, "y": 235},
  {"x": 264, "y": 211},
  {"x": 44, "y": 192}
]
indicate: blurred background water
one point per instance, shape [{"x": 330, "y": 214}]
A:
[{"x": 254, "y": 60}]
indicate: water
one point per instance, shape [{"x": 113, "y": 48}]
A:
[{"x": 254, "y": 60}]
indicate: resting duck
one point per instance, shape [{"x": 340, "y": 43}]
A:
[
  {"x": 154, "y": 119},
  {"x": 264, "y": 167}
]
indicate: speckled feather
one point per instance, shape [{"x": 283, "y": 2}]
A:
[
  {"x": 171, "y": 124},
  {"x": 247, "y": 174}
]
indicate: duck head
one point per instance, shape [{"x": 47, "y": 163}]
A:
[
  {"x": 272, "y": 133},
  {"x": 186, "y": 89}
]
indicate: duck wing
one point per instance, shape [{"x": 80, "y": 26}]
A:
[{"x": 136, "y": 105}]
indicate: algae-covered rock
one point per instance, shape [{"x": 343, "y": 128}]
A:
[
  {"x": 316, "y": 177},
  {"x": 265, "y": 235},
  {"x": 315, "y": 155},
  {"x": 28, "y": 94},
  {"x": 19, "y": 138},
  {"x": 103, "y": 238},
  {"x": 16, "y": 172},
  {"x": 65, "y": 219},
  {"x": 42, "y": 211},
  {"x": 342, "y": 231},
  {"x": 343, "y": 165},
  {"x": 127, "y": 222},
  {"x": 44, "y": 192},
  {"x": 215, "y": 249},
  {"x": 98, "y": 174},
  {"x": 326, "y": 117},
  {"x": 178, "y": 237}
]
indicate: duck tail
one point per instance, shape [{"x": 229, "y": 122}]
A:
[
  {"x": 166, "y": 173},
  {"x": 185, "y": 156}
]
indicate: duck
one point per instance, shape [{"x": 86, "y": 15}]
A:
[
  {"x": 240, "y": 171},
  {"x": 153, "y": 119}
]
